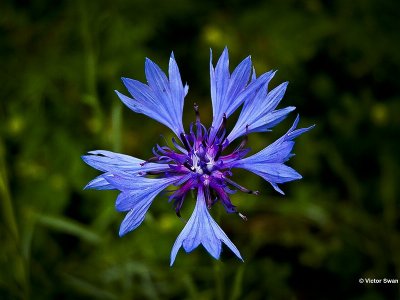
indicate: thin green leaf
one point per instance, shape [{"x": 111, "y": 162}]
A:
[{"x": 69, "y": 226}]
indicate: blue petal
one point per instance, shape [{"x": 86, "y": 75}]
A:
[
  {"x": 219, "y": 81},
  {"x": 99, "y": 183},
  {"x": 176, "y": 86},
  {"x": 135, "y": 216},
  {"x": 104, "y": 161},
  {"x": 116, "y": 163},
  {"x": 129, "y": 182},
  {"x": 226, "y": 88},
  {"x": 228, "y": 91},
  {"x": 202, "y": 229},
  {"x": 258, "y": 113},
  {"x": 107, "y": 161},
  {"x": 274, "y": 172},
  {"x": 137, "y": 194},
  {"x": 269, "y": 162},
  {"x": 162, "y": 99}
]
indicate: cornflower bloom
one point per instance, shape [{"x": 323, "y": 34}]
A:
[{"x": 197, "y": 160}]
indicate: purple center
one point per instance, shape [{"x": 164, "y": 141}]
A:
[{"x": 201, "y": 164}]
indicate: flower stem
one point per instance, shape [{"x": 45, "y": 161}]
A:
[
  {"x": 218, "y": 267},
  {"x": 19, "y": 265},
  {"x": 219, "y": 280}
]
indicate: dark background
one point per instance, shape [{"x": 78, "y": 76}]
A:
[{"x": 60, "y": 64}]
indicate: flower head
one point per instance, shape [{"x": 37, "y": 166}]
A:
[{"x": 198, "y": 160}]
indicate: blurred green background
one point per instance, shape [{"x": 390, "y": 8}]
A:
[{"x": 60, "y": 64}]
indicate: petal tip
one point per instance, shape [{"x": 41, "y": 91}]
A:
[{"x": 121, "y": 232}]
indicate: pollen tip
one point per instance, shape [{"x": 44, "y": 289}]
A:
[
  {"x": 256, "y": 193},
  {"x": 244, "y": 218}
]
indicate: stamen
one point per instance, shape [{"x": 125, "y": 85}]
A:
[
  {"x": 214, "y": 196},
  {"x": 181, "y": 218},
  {"x": 241, "y": 188},
  {"x": 244, "y": 141},
  {"x": 219, "y": 151},
  {"x": 199, "y": 126},
  {"x": 242, "y": 216},
  {"x": 221, "y": 128},
  {"x": 204, "y": 143},
  {"x": 177, "y": 146},
  {"x": 178, "y": 206},
  {"x": 196, "y": 111},
  {"x": 185, "y": 142},
  {"x": 208, "y": 198},
  {"x": 189, "y": 166},
  {"x": 151, "y": 159}
]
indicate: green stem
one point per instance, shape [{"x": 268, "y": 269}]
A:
[
  {"x": 218, "y": 268},
  {"x": 90, "y": 58},
  {"x": 91, "y": 96},
  {"x": 6, "y": 204},
  {"x": 20, "y": 265},
  {"x": 237, "y": 283},
  {"x": 219, "y": 280}
]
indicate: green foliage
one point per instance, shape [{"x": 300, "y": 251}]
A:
[{"x": 61, "y": 63}]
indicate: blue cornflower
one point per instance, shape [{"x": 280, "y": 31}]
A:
[{"x": 197, "y": 160}]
